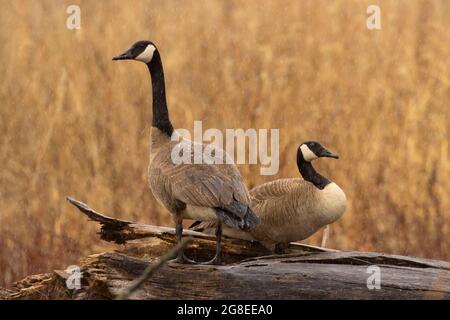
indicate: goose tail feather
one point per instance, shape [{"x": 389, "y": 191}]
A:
[{"x": 245, "y": 221}]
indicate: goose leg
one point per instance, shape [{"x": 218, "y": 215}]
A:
[
  {"x": 181, "y": 257},
  {"x": 218, "y": 257}
]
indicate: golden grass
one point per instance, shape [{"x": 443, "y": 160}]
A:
[{"x": 72, "y": 122}]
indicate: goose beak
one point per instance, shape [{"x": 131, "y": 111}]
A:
[
  {"x": 330, "y": 154},
  {"x": 124, "y": 56}
]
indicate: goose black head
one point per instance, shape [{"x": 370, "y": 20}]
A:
[
  {"x": 140, "y": 51},
  {"x": 312, "y": 150}
]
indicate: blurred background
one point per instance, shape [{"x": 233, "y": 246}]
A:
[{"x": 72, "y": 122}]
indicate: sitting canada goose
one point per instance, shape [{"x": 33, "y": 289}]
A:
[
  {"x": 205, "y": 191},
  {"x": 292, "y": 209}
]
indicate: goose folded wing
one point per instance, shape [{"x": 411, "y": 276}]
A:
[
  {"x": 209, "y": 186},
  {"x": 278, "y": 189}
]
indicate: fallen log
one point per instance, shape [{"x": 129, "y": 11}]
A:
[{"x": 251, "y": 272}]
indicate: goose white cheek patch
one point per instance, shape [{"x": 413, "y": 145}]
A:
[
  {"x": 308, "y": 155},
  {"x": 146, "y": 55}
]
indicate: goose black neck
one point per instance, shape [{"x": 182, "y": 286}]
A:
[
  {"x": 160, "y": 113},
  {"x": 309, "y": 173}
]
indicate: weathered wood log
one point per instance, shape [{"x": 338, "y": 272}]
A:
[
  {"x": 203, "y": 246},
  {"x": 150, "y": 270},
  {"x": 251, "y": 272}
]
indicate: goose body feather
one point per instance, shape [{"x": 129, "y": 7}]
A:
[
  {"x": 294, "y": 209},
  {"x": 290, "y": 210},
  {"x": 197, "y": 190}
]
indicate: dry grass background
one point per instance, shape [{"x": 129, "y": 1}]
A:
[{"x": 75, "y": 123}]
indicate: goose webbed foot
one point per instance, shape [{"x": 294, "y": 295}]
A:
[
  {"x": 182, "y": 259},
  {"x": 217, "y": 260}
]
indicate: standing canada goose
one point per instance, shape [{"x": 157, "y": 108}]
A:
[
  {"x": 292, "y": 209},
  {"x": 202, "y": 191}
]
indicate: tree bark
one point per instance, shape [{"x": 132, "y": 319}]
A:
[{"x": 251, "y": 272}]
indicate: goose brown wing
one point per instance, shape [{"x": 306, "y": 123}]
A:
[
  {"x": 279, "y": 203},
  {"x": 204, "y": 185},
  {"x": 209, "y": 186},
  {"x": 218, "y": 186},
  {"x": 276, "y": 189}
]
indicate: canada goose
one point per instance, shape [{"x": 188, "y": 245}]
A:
[
  {"x": 205, "y": 191},
  {"x": 292, "y": 209}
]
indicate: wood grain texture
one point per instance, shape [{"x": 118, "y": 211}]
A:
[{"x": 304, "y": 273}]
